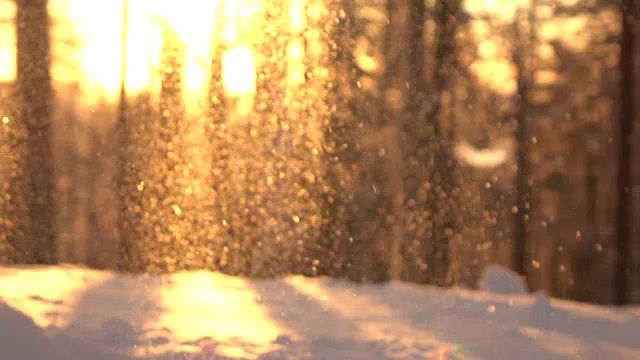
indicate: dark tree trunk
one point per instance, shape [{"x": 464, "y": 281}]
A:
[
  {"x": 123, "y": 136},
  {"x": 327, "y": 255},
  {"x": 391, "y": 127},
  {"x": 584, "y": 291},
  {"x": 36, "y": 94},
  {"x": 442, "y": 191},
  {"x": 12, "y": 209},
  {"x": 339, "y": 150},
  {"x": 416, "y": 152},
  {"x": 376, "y": 176},
  {"x": 522, "y": 207},
  {"x": 627, "y": 112}
]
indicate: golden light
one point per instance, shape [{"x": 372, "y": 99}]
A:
[
  {"x": 96, "y": 26},
  {"x": 296, "y": 67},
  {"x": 231, "y": 13},
  {"x": 196, "y": 305},
  {"x": 195, "y": 22},
  {"x": 7, "y": 64},
  {"x": 63, "y": 288},
  {"x": 298, "y": 18},
  {"x": 195, "y": 76},
  {"x": 498, "y": 74},
  {"x": 239, "y": 71},
  {"x": 228, "y": 300},
  {"x": 295, "y": 50},
  {"x": 7, "y": 42}
]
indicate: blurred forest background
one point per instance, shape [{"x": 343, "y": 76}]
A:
[{"x": 366, "y": 140}]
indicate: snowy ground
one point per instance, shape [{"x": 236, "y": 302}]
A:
[{"x": 87, "y": 314}]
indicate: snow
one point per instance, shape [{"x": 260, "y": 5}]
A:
[
  {"x": 69, "y": 312},
  {"x": 499, "y": 280},
  {"x": 20, "y": 338}
]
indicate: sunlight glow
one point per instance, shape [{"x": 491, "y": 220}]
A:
[
  {"x": 298, "y": 18},
  {"x": 295, "y": 50},
  {"x": 239, "y": 71},
  {"x": 229, "y": 300},
  {"x": 194, "y": 21},
  {"x": 231, "y": 13},
  {"x": 195, "y": 77},
  {"x": 497, "y": 73},
  {"x": 63, "y": 288},
  {"x": 296, "y": 67},
  {"x": 7, "y": 42},
  {"x": 95, "y": 61},
  {"x": 98, "y": 26},
  {"x": 7, "y": 64}
]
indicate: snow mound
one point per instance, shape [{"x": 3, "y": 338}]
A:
[
  {"x": 542, "y": 314},
  {"x": 499, "y": 280},
  {"x": 20, "y": 338}
]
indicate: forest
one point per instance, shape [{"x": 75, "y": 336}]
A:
[{"x": 415, "y": 140}]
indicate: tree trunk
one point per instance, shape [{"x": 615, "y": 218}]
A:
[
  {"x": 339, "y": 150},
  {"x": 123, "y": 137},
  {"x": 522, "y": 207},
  {"x": 442, "y": 191},
  {"x": 36, "y": 94},
  {"x": 389, "y": 131},
  {"x": 586, "y": 255},
  {"x": 230, "y": 258},
  {"x": 416, "y": 153},
  {"x": 627, "y": 112},
  {"x": 274, "y": 244}
]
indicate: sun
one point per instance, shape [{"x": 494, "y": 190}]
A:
[
  {"x": 195, "y": 22},
  {"x": 96, "y": 28},
  {"x": 100, "y": 53}
]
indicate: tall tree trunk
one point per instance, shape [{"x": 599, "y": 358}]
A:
[
  {"x": 522, "y": 207},
  {"x": 273, "y": 245},
  {"x": 440, "y": 117},
  {"x": 390, "y": 126},
  {"x": 586, "y": 255},
  {"x": 375, "y": 180},
  {"x": 627, "y": 113},
  {"x": 416, "y": 153},
  {"x": 123, "y": 143},
  {"x": 171, "y": 234},
  {"x": 339, "y": 149},
  {"x": 11, "y": 203},
  {"x": 304, "y": 110},
  {"x": 230, "y": 258},
  {"x": 36, "y": 95},
  {"x": 320, "y": 93}
]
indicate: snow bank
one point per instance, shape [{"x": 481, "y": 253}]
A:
[
  {"x": 499, "y": 280},
  {"x": 202, "y": 315},
  {"x": 20, "y": 338}
]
